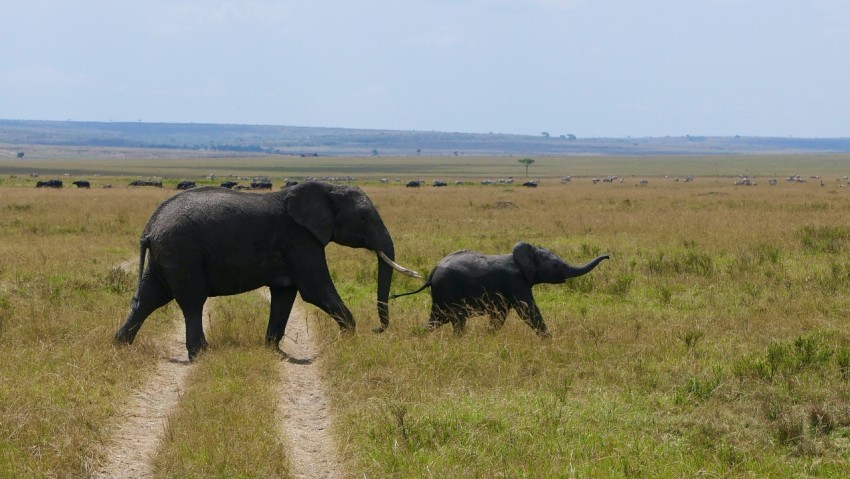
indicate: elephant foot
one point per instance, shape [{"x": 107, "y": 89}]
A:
[
  {"x": 123, "y": 337},
  {"x": 196, "y": 351},
  {"x": 431, "y": 327}
]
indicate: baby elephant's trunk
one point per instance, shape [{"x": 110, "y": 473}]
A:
[{"x": 574, "y": 271}]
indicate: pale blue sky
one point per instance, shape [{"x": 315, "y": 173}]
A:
[{"x": 591, "y": 68}]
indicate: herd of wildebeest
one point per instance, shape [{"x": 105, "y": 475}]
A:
[
  {"x": 256, "y": 184},
  {"x": 264, "y": 183}
]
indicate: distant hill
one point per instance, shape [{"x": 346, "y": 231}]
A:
[{"x": 290, "y": 140}]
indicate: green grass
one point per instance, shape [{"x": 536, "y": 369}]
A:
[
  {"x": 87, "y": 163},
  {"x": 226, "y": 425},
  {"x": 714, "y": 342},
  {"x": 661, "y": 361}
]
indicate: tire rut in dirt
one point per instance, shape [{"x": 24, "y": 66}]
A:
[
  {"x": 140, "y": 430},
  {"x": 305, "y": 411}
]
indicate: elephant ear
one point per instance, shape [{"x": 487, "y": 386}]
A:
[
  {"x": 311, "y": 207},
  {"x": 524, "y": 255}
]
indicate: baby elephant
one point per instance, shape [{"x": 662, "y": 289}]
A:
[{"x": 466, "y": 283}]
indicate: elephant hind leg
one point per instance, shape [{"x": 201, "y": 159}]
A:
[
  {"x": 193, "y": 315},
  {"x": 440, "y": 315},
  {"x": 151, "y": 296},
  {"x": 281, "y": 305},
  {"x": 497, "y": 319},
  {"x": 191, "y": 296},
  {"x": 459, "y": 325}
]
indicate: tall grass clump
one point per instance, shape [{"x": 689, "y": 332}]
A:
[
  {"x": 824, "y": 239},
  {"x": 689, "y": 261}
]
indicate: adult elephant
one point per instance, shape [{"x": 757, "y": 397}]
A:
[
  {"x": 466, "y": 283},
  {"x": 212, "y": 241}
]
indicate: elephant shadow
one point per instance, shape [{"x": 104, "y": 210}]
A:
[
  {"x": 299, "y": 361},
  {"x": 173, "y": 360}
]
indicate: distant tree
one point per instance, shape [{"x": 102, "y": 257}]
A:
[
  {"x": 375, "y": 152},
  {"x": 20, "y": 154},
  {"x": 545, "y": 134},
  {"x": 571, "y": 137},
  {"x": 527, "y": 162},
  {"x": 418, "y": 151}
]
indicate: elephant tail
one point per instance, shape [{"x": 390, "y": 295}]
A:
[
  {"x": 424, "y": 286},
  {"x": 144, "y": 246}
]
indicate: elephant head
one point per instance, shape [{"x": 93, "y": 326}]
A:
[
  {"x": 539, "y": 265},
  {"x": 346, "y": 216}
]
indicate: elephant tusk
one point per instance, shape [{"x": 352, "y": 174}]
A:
[{"x": 398, "y": 267}]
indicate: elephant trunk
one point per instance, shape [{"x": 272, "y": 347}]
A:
[
  {"x": 385, "y": 276},
  {"x": 385, "y": 251},
  {"x": 573, "y": 271}
]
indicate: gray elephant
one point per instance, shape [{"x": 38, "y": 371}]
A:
[
  {"x": 466, "y": 283},
  {"x": 212, "y": 241}
]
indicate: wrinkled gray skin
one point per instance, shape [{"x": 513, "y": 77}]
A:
[
  {"x": 466, "y": 283},
  {"x": 214, "y": 241}
]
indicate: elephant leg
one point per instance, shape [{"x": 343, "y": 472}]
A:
[
  {"x": 193, "y": 312},
  {"x": 439, "y": 316},
  {"x": 191, "y": 292},
  {"x": 281, "y": 306},
  {"x": 459, "y": 324},
  {"x": 151, "y": 296},
  {"x": 457, "y": 313},
  {"x": 325, "y": 296},
  {"x": 530, "y": 313},
  {"x": 497, "y": 319}
]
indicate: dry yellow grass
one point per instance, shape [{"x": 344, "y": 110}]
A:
[
  {"x": 714, "y": 342},
  {"x": 710, "y": 336}
]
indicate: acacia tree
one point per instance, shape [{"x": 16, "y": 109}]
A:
[{"x": 527, "y": 162}]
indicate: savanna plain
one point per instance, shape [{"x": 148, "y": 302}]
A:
[{"x": 714, "y": 343}]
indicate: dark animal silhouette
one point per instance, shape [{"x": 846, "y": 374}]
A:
[
  {"x": 212, "y": 241},
  {"x": 49, "y": 184},
  {"x": 467, "y": 283}
]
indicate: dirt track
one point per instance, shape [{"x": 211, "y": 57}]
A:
[
  {"x": 135, "y": 440},
  {"x": 304, "y": 411}
]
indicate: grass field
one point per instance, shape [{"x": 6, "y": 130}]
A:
[
  {"x": 87, "y": 163},
  {"x": 714, "y": 343}
]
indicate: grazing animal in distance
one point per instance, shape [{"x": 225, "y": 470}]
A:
[{"x": 49, "y": 184}]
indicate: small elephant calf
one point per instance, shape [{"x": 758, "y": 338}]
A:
[{"x": 466, "y": 283}]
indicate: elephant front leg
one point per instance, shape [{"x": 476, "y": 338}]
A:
[
  {"x": 327, "y": 299},
  {"x": 530, "y": 313},
  {"x": 281, "y": 306},
  {"x": 314, "y": 284}
]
